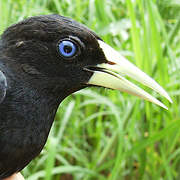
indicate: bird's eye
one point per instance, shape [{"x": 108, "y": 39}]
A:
[{"x": 67, "y": 48}]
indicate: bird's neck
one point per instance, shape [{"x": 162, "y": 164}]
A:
[{"x": 29, "y": 109}]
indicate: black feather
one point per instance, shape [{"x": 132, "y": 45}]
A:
[
  {"x": 3, "y": 86},
  {"x": 38, "y": 80}
]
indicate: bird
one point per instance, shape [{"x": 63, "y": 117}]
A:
[{"x": 44, "y": 59}]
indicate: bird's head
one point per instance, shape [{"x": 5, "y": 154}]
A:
[{"x": 65, "y": 56}]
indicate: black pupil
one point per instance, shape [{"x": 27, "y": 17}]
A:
[{"x": 67, "y": 49}]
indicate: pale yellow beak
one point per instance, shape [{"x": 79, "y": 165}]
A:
[{"x": 112, "y": 75}]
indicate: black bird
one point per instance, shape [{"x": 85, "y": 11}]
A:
[{"x": 44, "y": 59}]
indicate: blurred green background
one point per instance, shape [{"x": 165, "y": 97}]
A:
[{"x": 100, "y": 134}]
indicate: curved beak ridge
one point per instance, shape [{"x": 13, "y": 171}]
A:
[{"x": 112, "y": 75}]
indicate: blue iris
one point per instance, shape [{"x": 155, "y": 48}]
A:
[{"x": 67, "y": 48}]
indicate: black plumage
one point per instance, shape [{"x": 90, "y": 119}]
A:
[
  {"x": 35, "y": 77},
  {"x": 3, "y": 86},
  {"x": 38, "y": 80}
]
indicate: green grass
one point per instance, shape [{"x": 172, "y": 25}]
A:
[{"x": 100, "y": 134}]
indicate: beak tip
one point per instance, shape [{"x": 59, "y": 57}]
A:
[
  {"x": 165, "y": 107},
  {"x": 170, "y": 100},
  {"x": 162, "y": 105}
]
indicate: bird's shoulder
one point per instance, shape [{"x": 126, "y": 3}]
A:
[{"x": 3, "y": 86}]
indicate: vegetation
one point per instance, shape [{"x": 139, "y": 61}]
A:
[{"x": 100, "y": 134}]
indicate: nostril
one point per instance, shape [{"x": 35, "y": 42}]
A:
[{"x": 111, "y": 63}]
